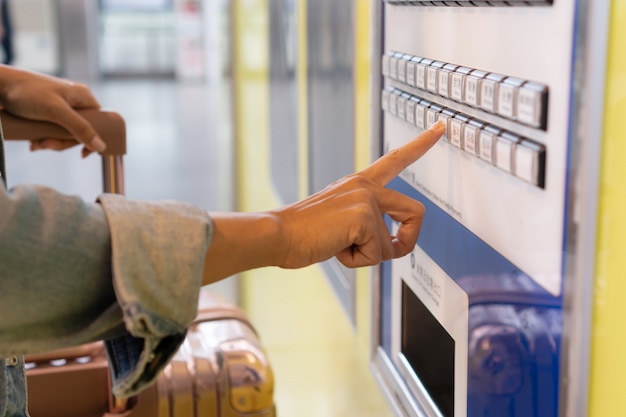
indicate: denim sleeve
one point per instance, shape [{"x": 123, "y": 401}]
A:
[
  {"x": 158, "y": 259},
  {"x": 73, "y": 272},
  {"x": 55, "y": 272}
]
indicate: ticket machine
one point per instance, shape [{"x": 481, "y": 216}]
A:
[{"x": 484, "y": 317}]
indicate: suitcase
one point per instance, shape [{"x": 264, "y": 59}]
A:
[{"x": 220, "y": 370}]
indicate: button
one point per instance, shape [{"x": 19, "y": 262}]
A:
[
  {"x": 393, "y": 65},
  {"x": 457, "y": 79},
  {"x": 446, "y": 115},
  {"x": 432, "y": 76},
  {"x": 505, "y": 148},
  {"x": 532, "y": 105},
  {"x": 432, "y": 114},
  {"x": 443, "y": 86},
  {"x": 420, "y": 113},
  {"x": 471, "y": 132},
  {"x": 471, "y": 92},
  {"x": 420, "y": 77},
  {"x": 410, "y": 109},
  {"x": 393, "y": 102},
  {"x": 401, "y": 110},
  {"x": 385, "y": 64},
  {"x": 12, "y": 361},
  {"x": 411, "y": 70},
  {"x": 530, "y": 160},
  {"x": 455, "y": 134},
  {"x": 487, "y": 143},
  {"x": 489, "y": 92},
  {"x": 507, "y": 97},
  {"x": 384, "y": 100},
  {"x": 402, "y": 61}
]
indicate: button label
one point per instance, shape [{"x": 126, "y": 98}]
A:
[{"x": 456, "y": 127}]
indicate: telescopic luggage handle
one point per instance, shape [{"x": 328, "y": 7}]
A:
[
  {"x": 109, "y": 125},
  {"x": 111, "y": 128}
]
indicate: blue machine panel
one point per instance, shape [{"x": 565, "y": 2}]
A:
[
  {"x": 471, "y": 322},
  {"x": 514, "y": 324}
]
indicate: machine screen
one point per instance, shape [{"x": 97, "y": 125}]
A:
[{"x": 429, "y": 349}]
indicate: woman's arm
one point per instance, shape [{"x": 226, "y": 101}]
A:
[{"x": 343, "y": 220}]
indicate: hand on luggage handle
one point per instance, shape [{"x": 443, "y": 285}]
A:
[{"x": 109, "y": 125}]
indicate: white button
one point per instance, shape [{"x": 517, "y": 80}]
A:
[
  {"x": 488, "y": 95},
  {"x": 487, "y": 143},
  {"x": 529, "y": 104},
  {"x": 402, "y": 70},
  {"x": 472, "y": 90},
  {"x": 456, "y": 84},
  {"x": 470, "y": 134},
  {"x": 525, "y": 164},
  {"x": 420, "y": 115},
  {"x": 384, "y": 100},
  {"x": 385, "y": 65},
  {"x": 506, "y": 100},
  {"x": 431, "y": 117},
  {"x": 444, "y": 83},
  {"x": 420, "y": 78},
  {"x": 527, "y": 107},
  {"x": 456, "y": 130},
  {"x": 410, "y": 72},
  {"x": 401, "y": 110},
  {"x": 410, "y": 111},
  {"x": 393, "y": 103},
  {"x": 528, "y": 162},
  {"x": 507, "y": 97},
  {"x": 12, "y": 361},
  {"x": 505, "y": 146},
  {"x": 393, "y": 67},
  {"x": 431, "y": 79}
]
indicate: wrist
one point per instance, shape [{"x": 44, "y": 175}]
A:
[{"x": 243, "y": 241}]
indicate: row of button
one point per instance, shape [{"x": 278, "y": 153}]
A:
[
  {"x": 473, "y": 3},
  {"x": 509, "y": 97},
  {"x": 511, "y": 153}
]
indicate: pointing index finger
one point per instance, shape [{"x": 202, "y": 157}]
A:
[{"x": 388, "y": 166}]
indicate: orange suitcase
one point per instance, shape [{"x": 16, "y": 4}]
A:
[{"x": 220, "y": 370}]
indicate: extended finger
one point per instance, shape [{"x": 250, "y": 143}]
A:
[{"x": 388, "y": 166}]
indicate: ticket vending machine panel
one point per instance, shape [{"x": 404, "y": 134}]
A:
[{"x": 471, "y": 322}]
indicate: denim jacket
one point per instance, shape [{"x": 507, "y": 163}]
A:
[{"x": 116, "y": 270}]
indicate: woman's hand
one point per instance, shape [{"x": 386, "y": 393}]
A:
[
  {"x": 343, "y": 220},
  {"x": 41, "y": 97}
]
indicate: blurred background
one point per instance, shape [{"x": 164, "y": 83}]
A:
[{"x": 230, "y": 105}]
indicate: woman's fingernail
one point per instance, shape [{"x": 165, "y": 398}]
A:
[
  {"x": 97, "y": 144},
  {"x": 440, "y": 125}
]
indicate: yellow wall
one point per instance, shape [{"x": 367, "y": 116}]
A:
[
  {"x": 320, "y": 362},
  {"x": 608, "y": 360}
]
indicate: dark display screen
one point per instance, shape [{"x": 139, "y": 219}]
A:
[{"x": 429, "y": 349}]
